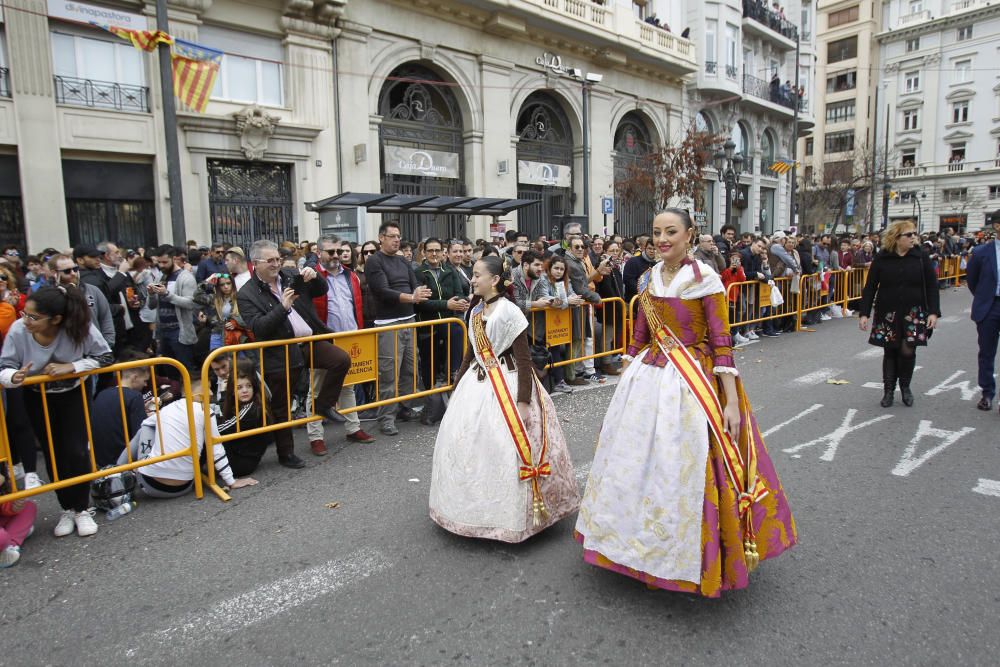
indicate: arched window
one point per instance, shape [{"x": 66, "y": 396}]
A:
[
  {"x": 632, "y": 143},
  {"x": 741, "y": 137},
  {"x": 767, "y": 152},
  {"x": 703, "y": 122},
  {"x": 544, "y": 164}
]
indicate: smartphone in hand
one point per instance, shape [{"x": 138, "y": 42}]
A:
[{"x": 298, "y": 284}]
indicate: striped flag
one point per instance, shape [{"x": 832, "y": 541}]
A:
[
  {"x": 195, "y": 70},
  {"x": 144, "y": 40},
  {"x": 783, "y": 166}
]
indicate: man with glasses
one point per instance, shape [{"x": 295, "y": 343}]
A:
[
  {"x": 277, "y": 305},
  {"x": 397, "y": 291},
  {"x": 212, "y": 263},
  {"x": 65, "y": 272},
  {"x": 584, "y": 327},
  {"x": 447, "y": 299},
  {"x": 341, "y": 310}
]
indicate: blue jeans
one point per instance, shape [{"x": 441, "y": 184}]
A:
[{"x": 170, "y": 346}]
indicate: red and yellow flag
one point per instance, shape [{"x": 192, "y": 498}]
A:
[
  {"x": 144, "y": 40},
  {"x": 195, "y": 70}
]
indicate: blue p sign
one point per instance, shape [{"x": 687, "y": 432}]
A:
[{"x": 608, "y": 205}]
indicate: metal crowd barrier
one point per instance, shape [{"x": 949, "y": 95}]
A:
[
  {"x": 554, "y": 327},
  {"x": 748, "y": 299},
  {"x": 952, "y": 269},
  {"x": 48, "y": 446},
  {"x": 363, "y": 348}
]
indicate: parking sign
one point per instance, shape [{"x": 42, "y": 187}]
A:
[{"x": 608, "y": 205}]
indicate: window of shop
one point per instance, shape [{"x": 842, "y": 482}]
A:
[
  {"x": 842, "y": 49},
  {"x": 249, "y": 201},
  {"x": 633, "y": 143},
  {"x": 11, "y": 211},
  {"x": 544, "y": 164},
  {"x": 101, "y": 73},
  {"x": 252, "y": 67},
  {"x": 422, "y": 147},
  {"x": 110, "y": 201}
]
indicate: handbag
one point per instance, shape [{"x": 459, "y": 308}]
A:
[{"x": 236, "y": 335}]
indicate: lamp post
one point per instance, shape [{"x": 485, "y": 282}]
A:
[
  {"x": 918, "y": 208},
  {"x": 587, "y": 81},
  {"x": 729, "y": 166}
]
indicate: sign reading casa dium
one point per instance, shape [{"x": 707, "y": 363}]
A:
[
  {"x": 543, "y": 173},
  {"x": 420, "y": 162},
  {"x": 363, "y": 350},
  {"x": 558, "y": 326},
  {"x": 78, "y": 11}
]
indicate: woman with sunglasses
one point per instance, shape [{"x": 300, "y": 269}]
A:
[
  {"x": 902, "y": 287},
  {"x": 369, "y": 306},
  {"x": 222, "y": 315}
]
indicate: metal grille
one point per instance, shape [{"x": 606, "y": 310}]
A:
[
  {"x": 544, "y": 135},
  {"x": 250, "y": 201},
  {"x": 101, "y": 94},
  {"x": 632, "y": 144},
  {"x": 419, "y": 112},
  {"x": 12, "y": 223},
  {"x": 130, "y": 224}
]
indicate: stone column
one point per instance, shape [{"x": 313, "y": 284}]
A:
[{"x": 494, "y": 143}]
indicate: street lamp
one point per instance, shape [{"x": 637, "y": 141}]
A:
[
  {"x": 918, "y": 208},
  {"x": 729, "y": 166},
  {"x": 587, "y": 81}
]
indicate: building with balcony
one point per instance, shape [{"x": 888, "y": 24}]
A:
[
  {"x": 459, "y": 99},
  {"x": 842, "y": 97},
  {"x": 944, "y": 101},
  {"x": 747, "y": 89}
]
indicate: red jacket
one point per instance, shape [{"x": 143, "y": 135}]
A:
[{"x": 319, "y": 303}]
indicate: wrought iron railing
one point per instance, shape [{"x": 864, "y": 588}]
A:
[
  {"x": 758, "y": 11},
  {"x": 770, "y": 92},
  {"x": 711, "y": 67},
  {"x": 101, "y": 94},
  {"x": 731, "y": 71},
  {"x": 4, "y": 82}
]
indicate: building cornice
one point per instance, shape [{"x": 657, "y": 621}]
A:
[{"x": 973, "y": 15}]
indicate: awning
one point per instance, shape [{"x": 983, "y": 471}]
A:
[{"x": 422, "y": 204}]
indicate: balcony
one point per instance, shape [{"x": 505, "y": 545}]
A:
[
  {"x": 101, "y": 94},
  {"x": 4, "y": 82},
  {"x": 956, "y": 165},
  {"x": 962, "y": 5},
  {"x": 768, "y": 92},
  {"x": 612, "y": 28},
  {"x": 711, "y": 67},
  {"x": 915, "y": 17},
  {"x": 756, "y": 17}
]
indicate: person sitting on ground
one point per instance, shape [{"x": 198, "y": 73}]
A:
[
  {"x": 17, "y": 519},
  {"x": 110, "y": 439},
  {"x": 169, "y": 432},
  {"x": 242, "y": 408}
]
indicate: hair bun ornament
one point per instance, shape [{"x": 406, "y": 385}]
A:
[{"x": 507, "y": 282}]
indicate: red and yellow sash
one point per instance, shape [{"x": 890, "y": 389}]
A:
[
  {"x": 529, "y": 469},
  {"x": 742, "y": 471}
]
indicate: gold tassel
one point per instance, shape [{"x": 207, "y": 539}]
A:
[
  {"x": 538, "y": 510},
  {"x": 750, "y": 554}
]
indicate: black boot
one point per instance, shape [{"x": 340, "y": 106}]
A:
[
  {"x": 888, "y": 377},
  {"x": 905, "y": 370}
]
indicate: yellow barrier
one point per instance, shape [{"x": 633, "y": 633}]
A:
[
  {"x": 117, "y": 369},
  {"x": 753, "y": 296},
  {"x": 364, "y": 368},
  {"x": 560, "y": 322}
]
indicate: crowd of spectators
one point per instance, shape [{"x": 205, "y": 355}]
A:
[{"x": 63, "y": 313}]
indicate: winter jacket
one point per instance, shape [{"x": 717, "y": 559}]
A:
[
  {"x": 321, "y": 304},
  {"x": 443, "y": 287}
]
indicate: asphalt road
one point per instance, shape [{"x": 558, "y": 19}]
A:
[{"x": 898, "y": 513}]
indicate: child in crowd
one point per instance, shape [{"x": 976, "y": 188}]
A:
[
  {"x": 244, "y": 453},
  {"x": 734, "y": 274},
  {"x": 17, "y": 519}
]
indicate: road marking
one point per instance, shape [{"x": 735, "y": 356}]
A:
[
  {"x": 819, "y": 376},
  {"x": 987, "y": 487},
  {"x": 834, "y": 439},
  {"x": 775, "y": 429},
  {"x": 870, "y": 354},
  {"x": 879, "y": 385},
  {"x": 908, "y": 463},
  {"x": 256, "y": 605},
  {"x": 948, "y": 384}
]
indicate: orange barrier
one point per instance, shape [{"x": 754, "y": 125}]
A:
[
  {"x": 49, "y": 446},
  {"x": 361, "y": 345},
  {"x": 748, "y": 299},
  {"x": 556, "y": 326}
]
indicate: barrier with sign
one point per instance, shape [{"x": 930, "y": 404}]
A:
[
  {"x": 361, "y": 346},
  {"x": 48, "y": 446},
  {"x": 563, "y": 325}
]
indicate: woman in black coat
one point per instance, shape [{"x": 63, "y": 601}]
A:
[{"x": 903, "y": 289}]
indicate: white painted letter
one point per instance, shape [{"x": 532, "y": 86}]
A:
[
  {"x": 775, "y": 429},
  {"x": 967, "y": 393},
  {"x": 835, "y": 438},
  {"x": 909, "y": 462}
]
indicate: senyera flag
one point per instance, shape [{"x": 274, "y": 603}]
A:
[{"x": 195, "y": 70}]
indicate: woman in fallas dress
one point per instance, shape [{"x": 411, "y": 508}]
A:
[
  {"x": 682, "y": 494},
  {"x": 501, "y": 468}
]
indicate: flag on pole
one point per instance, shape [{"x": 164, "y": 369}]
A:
[
  {"x": 144, "y": 40},
  {"x": 195, "y": 70},
  {"x": 783, "y": 166}
]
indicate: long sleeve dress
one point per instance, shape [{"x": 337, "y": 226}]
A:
[
  {"x": 659, "y": 505},
  {"x": 476, "y": 489},
  {"x": 903, "y": 291}
]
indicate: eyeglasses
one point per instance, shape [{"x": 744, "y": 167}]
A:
[
  {"x": 908, "y": 234},
  {"x": 576, "y": 247},
  {"x": 273, "y": 261},
  {"x": 35, "y": 318},
  {"x": 369, "y": 252},
  {"x": 69, "y": 271}
]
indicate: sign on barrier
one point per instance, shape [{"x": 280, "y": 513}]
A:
[
  {"x": 363, "y": 350},
  {"x": 558, "y": 327}
]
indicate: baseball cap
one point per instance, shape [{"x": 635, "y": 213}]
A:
[
  {"x": 236, "y": 250},
  {"x": 85, "y": 250}
]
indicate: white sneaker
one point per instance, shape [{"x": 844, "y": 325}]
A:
[
  {"x": 32, "y": 481},
  {"x": 824, "y": 317},
  {"x": 562, "y": 388},
  {"x": 752, "y": 336},
  {"x": 10, "y": 556},
  {"x": 739, "y": 341},
  {"x": 18, "y": 470},
  {"x": 85, "y": 524},
  {"x": 66, "y": 524},
  {"x": 848, "y": 313}
]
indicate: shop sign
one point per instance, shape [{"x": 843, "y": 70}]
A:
[
  {"x": 420, "y": 162},
  {"x": 544, "y": 173},
  {"x": 82, "y": 13}
]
